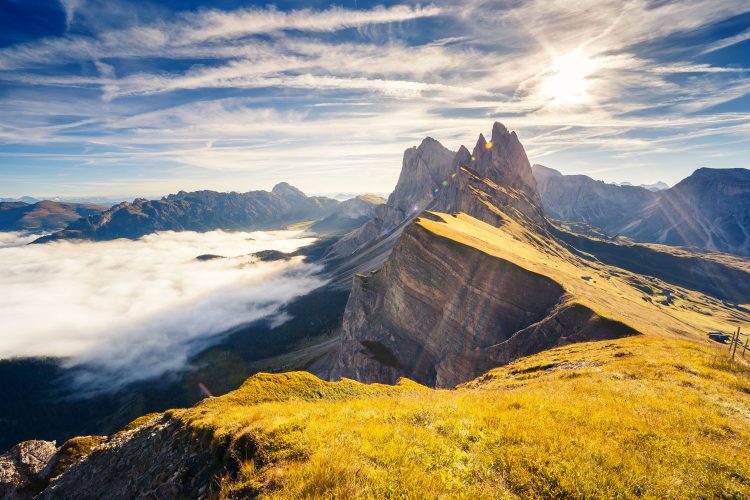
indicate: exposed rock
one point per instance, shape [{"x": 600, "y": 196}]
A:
[
  {"x": 21, "y": 469},
  {"x": 423, "y": 170},
  {"x": 441, "y": 313},
  {"x": 578, "y": 198},
  {"x": 434, "y": 178},
  {"x": 156, "y": 460},
  {"x": 709, "y": 210},
  {"x": 350, "y": 214}
]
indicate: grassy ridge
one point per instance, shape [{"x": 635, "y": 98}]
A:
[{"x": 642, "y": 416}]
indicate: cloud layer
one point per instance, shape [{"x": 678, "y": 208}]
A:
[{"x": 124, "y": 311}]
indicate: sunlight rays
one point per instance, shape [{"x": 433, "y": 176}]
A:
[{"x": 567, "y": 82}]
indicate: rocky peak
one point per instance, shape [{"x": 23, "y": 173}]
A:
[
  {"x": 423, "y": 168},
  {"x": 286, "y": 190},
  {"x": 503, "y": 160}
]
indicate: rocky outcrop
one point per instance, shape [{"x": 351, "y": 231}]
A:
[
  {"x": 424, "y": 169},
  {"x": 434, "y": 178},
  {"x": 159, "y": 459},
  {"x": 709, "y": 210},
  {"x": 206, "y": 211},
  {"x": 43, "y": 215},
  {"x": 441, "y": 313},
  {"x": 23, "y": 470}
]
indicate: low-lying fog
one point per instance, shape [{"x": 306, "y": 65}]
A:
[{"x": 125, "y": 311}]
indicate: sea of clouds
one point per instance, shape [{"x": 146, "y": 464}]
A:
[{"x": 125, "y": 311}]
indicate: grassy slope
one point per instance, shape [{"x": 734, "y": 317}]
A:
[
  {"x": 654, "y": 415},
  {"x": 612, "y": 292},
  {"x": 637, "y": 416}
]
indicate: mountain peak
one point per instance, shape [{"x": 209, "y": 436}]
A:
[
  {"x": 286, "y": 190},
  {"x": 499, "y": 131},
  {"x": 429, "y": 142},
  {"x": 480, "y": 146}
]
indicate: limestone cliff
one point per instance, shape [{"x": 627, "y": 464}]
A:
[
  {"x": 423, "y": 169},
  {"x": 442, "y": 312}
]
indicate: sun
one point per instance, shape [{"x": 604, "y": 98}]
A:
[{"x": 567, "y": 81}]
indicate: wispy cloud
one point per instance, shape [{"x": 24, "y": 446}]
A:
[{"x": 240, "y": 89}]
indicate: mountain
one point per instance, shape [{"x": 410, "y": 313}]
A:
[
  {"x": 24, "y": 199},
  {"x": 656, "y": 186},
  {"x": 578, "y": 198},
  {"x": 709, "y": 210},
  {"x": 561, "y": 366},
  {"x": 350, "y": 213},
  {"x": 210, "y": 210},
  {"x": 43, "y": 215},
  {"x": 489, "y": 280},
  {"x": 423, "y": 170}
]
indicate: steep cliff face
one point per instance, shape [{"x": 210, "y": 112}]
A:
[
  {"x": 423, "y": 170},
  {"x": 710, "y": 210},
  {"x": 578, "y": 198},
  {"x": 495, "y": 173},
  {"x": 442, "y": 312}
]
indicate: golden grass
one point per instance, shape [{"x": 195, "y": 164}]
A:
[
  {"x": 651, "y": 416},
  {"x": 73, "y": 450},
  {"x": 611, "y": 292},
  {"x": 642, "y": 416}
]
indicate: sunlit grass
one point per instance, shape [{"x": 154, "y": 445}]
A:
[{"x": 635, "y": 417}]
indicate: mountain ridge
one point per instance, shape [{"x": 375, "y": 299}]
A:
[
  {"x": 709, "y": 210},
  {"x": 210, "y": 210}
]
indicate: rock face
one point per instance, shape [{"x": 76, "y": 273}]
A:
[
  {"x": 156, "y": 460},
  {"x": 349, "y": 214},
  {"x": 434, "y": 178},
  {"x": 441, "y": 312},
  {"x": 22, "y": 469},
  {"x": 710, "y": 209},
  {"x": 424, "y": 168},
  {"x": 205, "y": 211},
  {"x": 44, "y": 215}
]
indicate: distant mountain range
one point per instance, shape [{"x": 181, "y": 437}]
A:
[
  {"x": 43, "y": 215},
  {"x": 709, "y": 210},
  {"x": 211, "y": 210},
  {"x": 656, "y": 186}
]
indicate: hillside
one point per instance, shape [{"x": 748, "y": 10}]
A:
[
  {"x": 43, "y": 215},
  {"x": 637, "y": 417}
]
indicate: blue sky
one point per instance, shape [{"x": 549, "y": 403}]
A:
[{"x": 119, "y": 98}]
